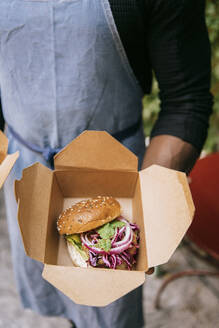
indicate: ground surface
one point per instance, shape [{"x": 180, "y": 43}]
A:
[{"x": 190, "y": 302}]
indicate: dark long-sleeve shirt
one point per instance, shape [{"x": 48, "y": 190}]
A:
[{"x": 170, "y": 38}]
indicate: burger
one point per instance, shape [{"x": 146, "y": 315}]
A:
[{"x": 98, "y": 236}]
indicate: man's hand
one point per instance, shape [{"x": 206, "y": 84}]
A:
[
  {"x": 171, "y": 152},
  {"x": 150, "y": 271}
]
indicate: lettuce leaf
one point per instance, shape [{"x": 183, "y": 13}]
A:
[
  {"x": 107, "y": 230},
  {"x": 76, "y": 242},
  {"x": 76, "y": 238},
  {"x": 104, "y": 244},
  {"x": 117, "y": 224}
]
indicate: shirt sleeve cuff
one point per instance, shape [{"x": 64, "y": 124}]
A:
[{"x": 190, "y": 130}]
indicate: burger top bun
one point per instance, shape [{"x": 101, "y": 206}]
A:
[{"x": 88, "y": 214}]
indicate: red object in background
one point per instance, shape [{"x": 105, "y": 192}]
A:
[{"x": 204, "y": 231}]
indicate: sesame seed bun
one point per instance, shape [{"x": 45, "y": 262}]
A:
[{"x": 88, "y": 214}]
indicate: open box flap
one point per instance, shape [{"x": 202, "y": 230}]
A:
[
  {"x": 3, "y": 146},
  {"x": 93, "y": 287},
  {"x": 6, "y": 161},
  {"x": 168, "y": 211},
  {"x": 33, "y": 196},
  {"x": 96, "y": 150},
  {"x": 6, "y": 166}
]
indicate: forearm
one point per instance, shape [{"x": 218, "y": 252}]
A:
[{"x": 171, "y": 152}]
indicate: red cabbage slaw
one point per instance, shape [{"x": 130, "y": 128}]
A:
[{"x": 121, "y": 243}]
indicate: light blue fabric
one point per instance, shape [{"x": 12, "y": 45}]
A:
[{"x": 62, "y": 70}]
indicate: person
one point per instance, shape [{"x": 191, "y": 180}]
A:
[{"x": 71, "y": 65}]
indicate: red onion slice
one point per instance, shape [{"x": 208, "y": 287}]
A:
[
  {"x": 126, "y": 260},
  {"x": 90, "y": 246},
  {"x": 120, "y": 249},
  {"x": 134, "y": 226},
  {"x": 85, "y": 237},
  {"x": 92, "y": 260},
  {"x": 115, "y": 237},
  {"x": 117, "y": 254},
  {"x": 126, "y": 239},
  {"x": 127, "y": 255},
  {"x": 114, "y": 261},
  {"x": 121, "y": 218},
  {"x": 94, "y": 235},
  {"x": 119, "y": 260},
  {"x": 106, "y": 261},
  {"x": 121, "y": 232}
]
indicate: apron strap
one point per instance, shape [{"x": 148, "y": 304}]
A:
[
  {"x": 128, "y": 132},
  {"x": 49, "y": 153}
]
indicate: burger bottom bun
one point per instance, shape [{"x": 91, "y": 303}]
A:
[{"x": 76, "y": 257}]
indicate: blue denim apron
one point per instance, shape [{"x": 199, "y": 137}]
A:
[{"x": 63, "y": 69}]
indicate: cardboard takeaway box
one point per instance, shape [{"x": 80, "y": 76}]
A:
[
  {"x": 6, "y": 161},
  {"x": 93, "y": 164}
]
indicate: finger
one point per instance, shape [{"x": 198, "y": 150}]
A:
[
  {"x": 150, "y": 271},
  {"x": 189, "y": 179}
]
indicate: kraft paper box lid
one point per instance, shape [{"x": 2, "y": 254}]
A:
[
  {"x": 96, "y": 150},
  {"x": 162, "y": 198},
  {"x": 6, "y": 161}
]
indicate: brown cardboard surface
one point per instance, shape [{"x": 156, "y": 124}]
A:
[
  {"x": 168, "y": 211},
  {"x": 91, "y": 283},
  {"x": 183, "y": 180},
  {"x": 74, "y": 183},
  {"x": 52, "y": 236},
  {"x": 96, "y": 150},
  {"x": 6, "y": 166},
  {"x": 63, "y": 258},
  {"x": 3, "y": 146},
  {"x": 157, "y": 199},
  {"x": 138, "y": 217},
  {"x": 33, "y": 193},
  {"x": 6, "y": 161},
  {"x": 96, "y": 287}
]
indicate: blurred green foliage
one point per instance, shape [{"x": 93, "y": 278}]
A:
[{"x": 151, "y": 102}]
